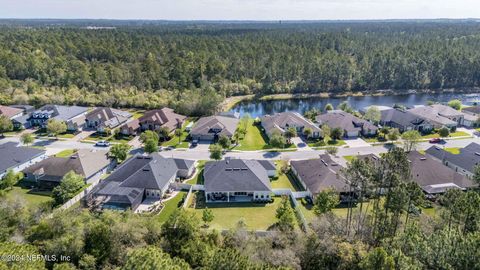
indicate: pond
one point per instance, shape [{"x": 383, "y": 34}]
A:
[{"x": 258, "y": 107}]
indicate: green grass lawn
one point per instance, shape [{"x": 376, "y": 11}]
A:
[
  {"x": 137, "y": 113},
  {"x": 198, "y": 178},
  {"x": 66, "y": 135},
  {"x": 12, "y": 133},
  {"x": 65, "y": 153},
  {"x": 170, "y": 206},
  {"x": 453, "y": 150},
  {"x": 452, "y": 135},
  {"x": 326, "y": 142},
  {"x": 286, "y": 180},
  {"x": 348, "y": 158},
  {"x": 32, "y": 199},
  {"x": 98, "y": 137},
  {"x": 255, "y": 139},
  {"x": 257, "y": 216},
  {"x": 120, "y": 138},
  {"x": 174, "y": 140}
]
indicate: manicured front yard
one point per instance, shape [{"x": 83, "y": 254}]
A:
[
  {"x": 176, "y": 142},
  {"x": 98, "y": 137},
  {"x": 65, "y": 153},
  {"x": 31, "y": 198},
  {"x": 326, "y": 142},
  {"x": 452, "y": 135},
  {"x": 170, "y": 206},
  {"x": 257, "y": 216},
  {"x": 255, "y": 139}
]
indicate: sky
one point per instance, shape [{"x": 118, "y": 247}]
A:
[{"x": 240, "y": 9}]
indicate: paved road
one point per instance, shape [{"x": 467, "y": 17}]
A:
[{"x": 202, "y": 153}]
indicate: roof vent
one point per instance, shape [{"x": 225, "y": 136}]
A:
[
  {"x": 73, "y": 157},
  {"x": 423, "y": 158},
  {"x": 146, "y": 169},
  {"x": 228, "y": 169},
  {"x": 477, "y": 153},
  {"x": 244, "y": 169},
  {"x": 236, "y": 169}
]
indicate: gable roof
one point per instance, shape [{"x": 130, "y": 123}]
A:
[
  {"x": 164, "y": 117},
  {"x": 344, "y": 120},
  {"x": 108, "y": 117},
  {"x": 320, "y": 174},
  {"x": 10, "y": 111},
  {"x": 467, "y": 159},
  {"x": 62, "y": 113},
  {"x": 235, "y": 175},
  {"x": 432, "y": 176},
  {"x": 84, "y": 162},
  {"x": 402, "y": 117},
  {"x": 280, "y": 121},
  {"x": 433, "y": 116},
  {"x": 12, "y": 156},
  {"x": 204, "y": 126},
  {"x": 472, "y": 110}
]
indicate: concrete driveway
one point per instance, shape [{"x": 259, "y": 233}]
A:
[
  {"x": 300, "y": 144},
  {"x": 358, "y": 142}
]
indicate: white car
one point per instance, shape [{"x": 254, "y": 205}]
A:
[{"x": 102, "y": 144}]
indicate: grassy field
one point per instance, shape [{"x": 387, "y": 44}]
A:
[
  {"x": 257, "y": 216},
  {"x": 170, "y": 206},
  {"x": 198, "y": 178},
  {"x": 66, "y": 153},
  {"x": 32, "y": 199}
]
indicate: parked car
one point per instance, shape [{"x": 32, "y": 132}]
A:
[
  {"x": 102, "y": 144},
  {"x": 194, "y": 143},
  {"x": 435, "y": 140}
]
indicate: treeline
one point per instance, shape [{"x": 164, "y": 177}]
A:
[
  {"x": 159, "y": 64},
  {"x": 388, "y": 232}
]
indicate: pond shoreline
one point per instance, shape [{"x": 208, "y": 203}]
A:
[{"x": 231, "y": 102}]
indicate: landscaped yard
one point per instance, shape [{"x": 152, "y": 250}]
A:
[
  {"x": 452, "y": 135},
  {"x": 31, "y": 198},
  {"x": 198, "y": 178},
  {"x": 255, "y": 139},
  {"x": 119, "y": 138},
  {"x": 326, "y": 142},
  {"x": 65, "y": 153},
  {"x": 257, "y": 216},
  {"x": 285, "y": 180},
  {"x": 98, "y": 137},
  {"x": 348, "y": 158},
  {"x": 174, "y": 141},
  {"x": 170, "y": 206}
]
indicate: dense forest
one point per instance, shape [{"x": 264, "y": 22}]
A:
[
  {"x": 385, "y": 231},
  {"x": 194, "y": 66}
]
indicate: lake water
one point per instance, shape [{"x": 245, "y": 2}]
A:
[{"x": 258, "y": 108}]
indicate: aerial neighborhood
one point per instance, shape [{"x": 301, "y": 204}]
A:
[{"x": 147, "y": 180}]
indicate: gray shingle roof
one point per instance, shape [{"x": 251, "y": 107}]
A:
[
  {"x": 344, "y": 120},
  {"x": 320, "y": 174},
  {"x": 12, "y": 156},
  {"x": 108, "y": 117},
  {"x": 432, "y": 114},
  {"x": 235, "y": 175},
  {"x": 84, "y": 162},
  {"x": 468, "y": 158},
  {"x": 280, "y": 121},
  {"x": 62, "y": 113},
  {"x": 472, "y": 110},
  {"x": 401, "y": 117},
  {"x": 432, "y": 176},
  {"x": 204, "y": 126}
]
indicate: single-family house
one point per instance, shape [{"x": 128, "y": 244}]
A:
[
  {"x": 103, "y": 118},
  {"x": 10, "y": 112},
  {"x": 433, "y": 177},
  {"x": 471, "y": 115},
  {"x": 350, "y": 124},
  {"x": 20, "y": 121},
  {"x": 131, "y": 128},
  {"x": 317, "y": 175},
  {"x": 379, "y": 107},
  {"x": 138, "y": 178},
  {"x": 238, "y": 180},
  {"x": 463, "y": 163},
  {"x": 17, "y": 158},
  {"x": 156, "y": 119},
  {"x": 405, "y": 120},
  {"x": 210, "y": 128},
  {"x": 439, "y": 115},
  {"x": 65, "y": 114},
  {"x": 280, "y": 122},
  {"x": 48, "y": 173}
]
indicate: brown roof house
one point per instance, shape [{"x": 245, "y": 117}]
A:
[
  {"x": 212, "y": 127},
  {"x": 156, "y": 119},
  {"x": 280, "y": 122},
  {"x": 351, "y": 125},
  {"x": 103, "y": 118},
  {"x": 48, "y": 173},
  {"x": 10, "y": 112},
  {"x": 130, "y": 128},
  {"x": 317, "y": 175}
]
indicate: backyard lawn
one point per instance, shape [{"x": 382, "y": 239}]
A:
[
  {"x": 257, "y": 216},
  {"x": 65, "y": 153},
  {"x": 32, "y": 199},
  {"x": 170, "y": 206}
]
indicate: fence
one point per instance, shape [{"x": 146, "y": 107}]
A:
[
  {"x": 187, "y": 199},
  {"x": 293, "y": 197}
]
